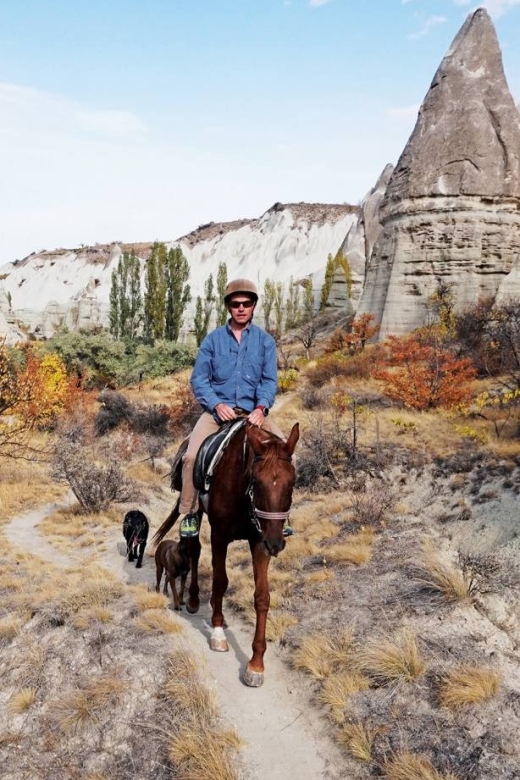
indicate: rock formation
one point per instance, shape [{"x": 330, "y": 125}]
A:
[
  {"x": 66, "y": 288},
  {"x": 451, "y": 208}
]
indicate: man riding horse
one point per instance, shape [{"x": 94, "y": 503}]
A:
[{"x": 234, "y": 376}]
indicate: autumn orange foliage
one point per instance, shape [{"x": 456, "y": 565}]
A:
[{"x": 425, "y": 375}]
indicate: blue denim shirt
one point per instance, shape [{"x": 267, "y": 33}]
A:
[{"x": 239, "y": 374}]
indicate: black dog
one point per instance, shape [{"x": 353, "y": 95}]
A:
[{"x": 135, "y": 531}]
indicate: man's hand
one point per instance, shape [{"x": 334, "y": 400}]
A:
[
  {"x": 256, "y": 418},
  {"x": 225, "y": 412}
]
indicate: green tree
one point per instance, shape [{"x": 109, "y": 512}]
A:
[
  {"x": 293, "y": 314},
  {"x": 203, "y": 310},
  {"x": 125, "y": 297},
  {"x": 178, "y": 292},
  {"x": 327, "y": 282},
  {"x": 222, "y": 280},
  {"x": 268, "y": 301},
  {"x": 308, "y": 301},
  {"x": 155, "y": 294},
  {"x": 278, "y": 307}
]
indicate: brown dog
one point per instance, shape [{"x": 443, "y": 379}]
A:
[{"x": 172, "y": 558}]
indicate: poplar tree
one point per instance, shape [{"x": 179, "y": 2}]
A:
[
  {"x": 125, "y": 297},
  {"x": 327, "y": 282},
  {"x": 268, "y": 302},
  {"x": 204, "y": 310},
  {"x": 292, "y": 306},
  {"x": 155, "y": 294},
  {"x": 178, "y": 292},
  {"x": 222, "y": 280}
]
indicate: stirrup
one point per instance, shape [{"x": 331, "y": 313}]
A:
[{"x": 189, "y": 527}]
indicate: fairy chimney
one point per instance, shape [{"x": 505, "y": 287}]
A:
[{"x": 451, "y": 208}]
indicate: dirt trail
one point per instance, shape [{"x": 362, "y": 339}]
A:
[{"x": 283, "y": 733}]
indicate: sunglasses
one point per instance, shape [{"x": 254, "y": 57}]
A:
[{"x": 238, "y": 304}]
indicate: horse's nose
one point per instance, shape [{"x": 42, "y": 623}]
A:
[{"x": 274, "y": 546}]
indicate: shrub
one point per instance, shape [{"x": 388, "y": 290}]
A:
[
  {"x": 95, "y": 485},
  {"x": 287, "y": 380}
]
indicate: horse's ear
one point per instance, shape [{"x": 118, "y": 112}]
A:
[
  {"x": 291, "y": 442},
  {"x": 257, "y": 444}
]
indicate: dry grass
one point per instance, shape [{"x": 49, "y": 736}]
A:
[
  {"x": 69, "y": 529},
  {"x": 21, "y": 701},
  {"x": 442, "y": 578},
  {"x": 278, "y": 623},
  {"x": 24, "y": 486},
  {"x": 86, "y": 587},
  {"x": 356, "y": 549},
  {"x": 320, "y": 655},
  {"x": 337, "y": 689},
  {"x": 407, "y": 766},
  {"x": 197, "y": 747},
  {"x": 204, "y": 755},
  {"x": 29, "y": 667},
  {"x": 88, "y": 618},
  {"x": 318, "y": 577},
  {"x": 145, "y": 599},
  {"x": 11, "y": 626},
  {"x": 359, "y": 739},
  {"x": 387, "y": 659},
  {"x": 157, "y": 620},
  {"x": 468, "y": 685},
  {"x": 82, "y": 709}
]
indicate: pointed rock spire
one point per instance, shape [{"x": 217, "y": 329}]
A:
[
  {"x": 467, "y": 137},
  {"x": 451, "y": 210}
]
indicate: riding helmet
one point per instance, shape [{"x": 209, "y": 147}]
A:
[{"x": 237, "y": 286}]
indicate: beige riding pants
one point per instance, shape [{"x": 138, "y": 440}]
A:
[{"x": 205, "y": 426}]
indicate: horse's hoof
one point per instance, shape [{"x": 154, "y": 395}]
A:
[
  {"x": 218, "y": 644},
  {"x": 138, "y": 565},
  {"x": 253, "y": 679},
  {"x": 192, "y": 609}
]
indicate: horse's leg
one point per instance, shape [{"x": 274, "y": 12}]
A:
[
  {"x": 254, "y": 673},
  {"x": 218, "y": 639},
  {"x": 193, "y": 546}
]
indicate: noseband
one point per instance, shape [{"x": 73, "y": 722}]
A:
[{"x": 259, "y": 514}]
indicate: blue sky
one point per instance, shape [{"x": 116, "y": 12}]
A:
[{"x": 134, "y": 120}]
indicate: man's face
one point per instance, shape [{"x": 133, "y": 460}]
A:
[{"x": 241, "y": 307}]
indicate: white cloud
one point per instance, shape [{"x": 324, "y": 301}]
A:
[
  {"x": 429, "y": 23},
  {"x": 317, "y": 3},
  {"x": 26, "y": 107}
]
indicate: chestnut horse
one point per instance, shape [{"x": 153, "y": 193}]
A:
[{"x": 249, "y": 498}]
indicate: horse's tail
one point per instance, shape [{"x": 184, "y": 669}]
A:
[{"x": 167, "y": 525}]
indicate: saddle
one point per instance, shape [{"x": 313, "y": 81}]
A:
[{"x": 208, "y": 456}]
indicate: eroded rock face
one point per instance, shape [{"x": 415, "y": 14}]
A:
[{"x": 451, "y": 208}]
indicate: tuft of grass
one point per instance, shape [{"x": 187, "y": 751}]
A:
[
  {"x": 157, "y": 620},
  {"x": 317, "y": 577},
  {"x": 11, "y": 626},
  {"x": 185, "y": 690},
  {"x": 278, "y": 624},
  {"x": 442, "y": 578},
  {"x": 319, "y": 655},
  {"x": 204, "y": 755},
  {"x": 356, "y": 549},
  {"x": 468, "y": 685},
  {"x": 391, "y": 658},
  {"x": 21, "y": 701},
  {"x": 337, "y": 689},
  {"x": 359, "y": 739},
  {"x": 407, "y": 766},
  {"x": 29, "y": 667},
  {"x": 82, "y": 709},
  {"x": 87, "y": 618},
  {"x": 145, "y": 600}
]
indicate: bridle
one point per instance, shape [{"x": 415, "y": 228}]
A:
[{"x": 259, "y": 514}]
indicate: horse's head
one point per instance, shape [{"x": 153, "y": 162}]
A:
[{"x": 271, "y": 484}]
